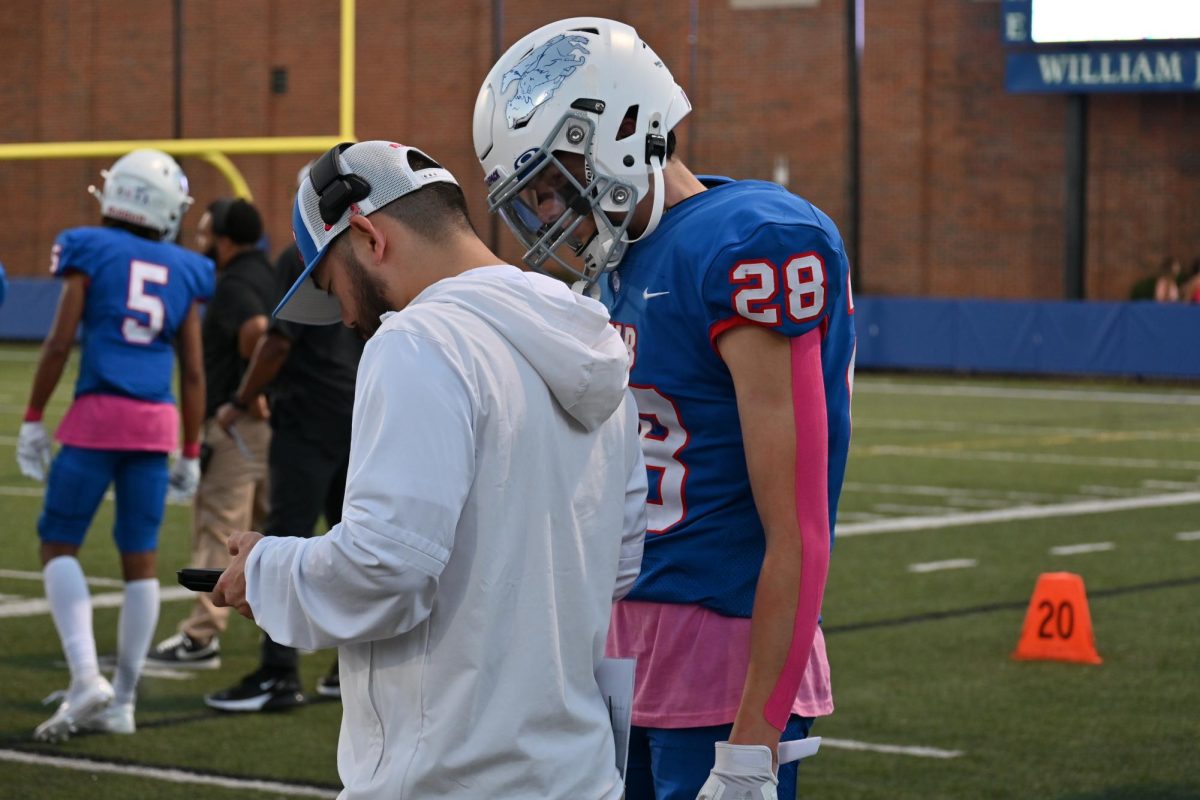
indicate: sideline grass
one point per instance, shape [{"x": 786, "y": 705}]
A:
[{"x": 1124, "y": 729}]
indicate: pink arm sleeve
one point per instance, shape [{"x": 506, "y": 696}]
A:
[{"x": 812, "y": 516}]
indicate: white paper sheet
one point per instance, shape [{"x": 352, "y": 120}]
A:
[{"x": 615, "y": 677}]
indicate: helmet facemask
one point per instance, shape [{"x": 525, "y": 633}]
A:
[{"x": 548, "y": 206}]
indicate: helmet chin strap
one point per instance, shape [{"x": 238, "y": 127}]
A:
[{"x": 660, "y": 200}]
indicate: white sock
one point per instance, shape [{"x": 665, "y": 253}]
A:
[
  {"x": 71, "y": 607},
  {"x": 139, "y": 616}
]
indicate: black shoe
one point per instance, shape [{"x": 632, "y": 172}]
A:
[
  {"x": 182, "y": 650},
  {"x": 329, "y": 685},
  {"x": 259, "y": 691}
]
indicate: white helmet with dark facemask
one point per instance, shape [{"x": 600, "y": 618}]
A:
[
  {"x": 147, "y": 188},
  {"x": 589, "y": 87}
]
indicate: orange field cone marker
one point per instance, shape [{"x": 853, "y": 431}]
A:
[{"x": 1058, "y": 625}]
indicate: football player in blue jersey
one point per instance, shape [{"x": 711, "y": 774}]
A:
[
  {"x": 733, "y": 297},
  {"x": 136, "y": 296}
]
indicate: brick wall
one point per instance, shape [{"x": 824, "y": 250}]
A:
[{"x": 962, "y": 191}]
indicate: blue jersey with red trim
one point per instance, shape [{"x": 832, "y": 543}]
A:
[
  {"x": 742, "y": 252},
  {"x": 139, "y": 293}
]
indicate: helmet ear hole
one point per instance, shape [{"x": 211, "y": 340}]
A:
[{"x": 628, "y": 123}]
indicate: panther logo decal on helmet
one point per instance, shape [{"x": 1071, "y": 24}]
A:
[{"x": 539, "y": 75}]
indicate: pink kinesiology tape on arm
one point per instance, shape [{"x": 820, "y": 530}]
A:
[{"x": 812, "y": 515}]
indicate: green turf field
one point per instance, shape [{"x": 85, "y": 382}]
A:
[{"x": 989, "y": 474}]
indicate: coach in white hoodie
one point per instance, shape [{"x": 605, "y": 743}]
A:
[{"x": 494, "y": 503}]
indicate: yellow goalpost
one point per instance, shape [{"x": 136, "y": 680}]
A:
[{"x": 217, "y": 151}]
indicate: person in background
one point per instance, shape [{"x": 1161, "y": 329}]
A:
[
  {"x": 1166, "y": 288},
  {"x": 136, "y": 296},
  {"x": 311, "y": 371},
  {"x": 232, "y": 495}
]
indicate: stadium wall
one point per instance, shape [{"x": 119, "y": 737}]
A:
[
  {"x": 962, "y": 186},
  {"x": 1146, "y": 340}
]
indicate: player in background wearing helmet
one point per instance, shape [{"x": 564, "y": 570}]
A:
[
  {"x": 136, "y": 295},
  {"x": 733, "y": 298}
]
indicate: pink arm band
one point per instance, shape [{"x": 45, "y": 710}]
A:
[{"x": 812, "y": 516}]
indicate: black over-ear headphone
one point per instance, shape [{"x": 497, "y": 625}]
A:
[{"x": 337, "y": 191}]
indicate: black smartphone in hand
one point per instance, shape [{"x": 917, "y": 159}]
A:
[{"x": 199, "y": 580}]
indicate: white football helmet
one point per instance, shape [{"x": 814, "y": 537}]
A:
[
  {"x": 569, "y": 87},
  {"x": 147, "y": 188}
]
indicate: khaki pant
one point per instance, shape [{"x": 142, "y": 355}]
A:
[{"x": 232, "y": 497}]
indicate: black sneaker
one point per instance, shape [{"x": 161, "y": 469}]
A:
[
  {"x": 259, "y": 691},
  {"x": 182, "y": 650},
  {"x": 329, "y": 685}
]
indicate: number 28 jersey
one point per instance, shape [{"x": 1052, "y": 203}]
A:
[
  {"x": 139, "y": 293},
  {"x": 742, "y": 252}
]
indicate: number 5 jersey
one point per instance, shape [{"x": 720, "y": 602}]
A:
[{"x": 139, "y": 292}]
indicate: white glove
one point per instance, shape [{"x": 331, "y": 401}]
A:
[
  {"x": 33, "y": 451},
  {"x": 741, "y": 772},
  {"x": 183, "y": 480}
]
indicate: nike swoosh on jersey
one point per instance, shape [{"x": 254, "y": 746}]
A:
[{"x": 647, "y": 294}]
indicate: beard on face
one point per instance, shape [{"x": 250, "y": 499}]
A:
[{"x": 369, "y": 301}]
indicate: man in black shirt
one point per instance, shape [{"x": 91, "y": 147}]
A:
[
  {"x": 311, "y": 371},
  {"x": 233, "y": 487}
]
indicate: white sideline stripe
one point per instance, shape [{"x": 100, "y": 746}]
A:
[
  {"x": 1020, "y": 512},
  {"x": 1188, "y": 536},
  {"x": 1165, "y": 399},
  {"x": 32, "y": 608},
  {"x": 29, "y": 575},
  {"x": 1034, "y": 458},
  {"x": 894, "y": 749},
  {"x": 950, "y": 563},
  {"x": 1075, "y": 549},
  {"x": 161, "y": 774}
]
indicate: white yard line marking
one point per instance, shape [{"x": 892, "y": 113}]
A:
[
  {"x": 1171, "y": 484},
  {"x": 1107, "y": 491},
  {"x": 1012, "y": 393},
  {"x": 911, "y": 510},
  {"x": 946, "y": 491},
  {"x": 1030, "y": 458},
  {"x": 858, "y": 516},
  {"x": 1076, "y": 549},
  {"x": 22, "y": 491},
  {"x": 1188, "y": 536},
  {"x": 32, "y": 608},
  {"x": 893, "y": 749},
  {"x": 108, "y": 664},
  {"x": 950, "y": 563},
  {"x": 30, "y": 575},
  {"x": 166, "y": 774},
  {"x": 1020, "y": 512},
  {"x": 38, "y": 491},
  {"x": 946, "y": 426}
]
